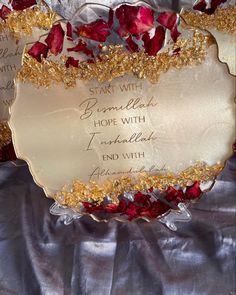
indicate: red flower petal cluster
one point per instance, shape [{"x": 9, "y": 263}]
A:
[
  {"x": 202, "y": 6},
  {"x": 38, "y": 50},
  {"x": 55, "y": 39},
  {"x": 134, "y": 20},
  {"x": 142, "y": 206},
  {"x": 4, "y": 11},
  {"x": 97, "y": 30},
  {"x": 22, "y": 4}
]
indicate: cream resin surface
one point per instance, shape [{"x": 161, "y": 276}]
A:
[{"x": 97, "y": 131}]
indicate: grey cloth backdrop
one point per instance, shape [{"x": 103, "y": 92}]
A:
[{"x": 39, "y": 255}]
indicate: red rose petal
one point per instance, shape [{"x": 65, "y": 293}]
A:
[
  {"x": 22, "y": 4},
  {"x": 156, "y": 209},
  {"x": 111, "y": 18},
  {"x": 234, "y": 147},
  {"x": 168, "y": 19},
  {"x": 200, "y": 5},
  {"x": 97, "y": 30},
  {"x": 4, "y": 12},
  {"x": 122, "y": 206},
  {"x": 176, "y": 51},
  {"x": 142, "y": 199},
  {"x": 111, "y": 208},
  {"x": 38, "y": 50},
  {"x": 175, "y": 33},
  {"x": 132, "y": 211},
  {"x": 55, "y": 39},
  {"x": 7, "y": 153},
  {"x": 69, "y": 30},
  {"x": 153, "y": 45},
  {"x": 132, "y": 46},
  {"x": 216, "y": 3},
  {"x": 81, "y": 47},
  {"x": 134, "y": 20},
  {"x": 146, "y": 38},
  {"x": 193, "y": 192},
  {"x": 72, "y": 62},
  {"x": 91, "y": 208},
  {"x": 174, "y": 195}
]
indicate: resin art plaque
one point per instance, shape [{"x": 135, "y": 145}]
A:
[
  {"x": 97, "y": 131},
  {"x": 128, "y": 112}
]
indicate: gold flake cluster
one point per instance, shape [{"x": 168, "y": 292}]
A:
[
  {"x": 114, "y": 61},
  {"x": 5, "y": 134},
  {"x": 72, "y": 196},
  {"x": 224, "y": 19},
  {"x": 22, "y": 23}
]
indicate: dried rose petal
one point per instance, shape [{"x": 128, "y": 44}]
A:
[
  {"x": 156, "y": 209},
  {"x": 176, "y": 51},
  {"x": 216, "y": 3},
  {"x": 200, "y": 5},
  {"x": 142, "y": 199},
  {"x": 110, "y": 18},
  {"x": 38, "y": 50},
  {"x": 69, "y": 30},
  {"x": 111, "y": 208},
  {"x": 22, "y": 4},
  {"x": 7, "y": 153},
  {"x": 55, "y": 39},
  {"x": 132, "y": 211},
  {"x": 153, "y": 45},
  {"x": 146, "y": 38},
  {"x": 72, "y": 62},
  {"x": 234, "y": 147},
  {"x": 97, "y": 30},
  {"x": 91, "y": 208},
  {"x": 122, "y": 206},
  {"x": 4, "y": 11},
  {"x": 175, "y": 33},
  {"x": 169, "y": 21},
  {"x": 132, "y": 46},
  {"x": 193, "y": 192},
  {"x": 174, "y": 195},
  {"x": 81, "y": 47},
  {"x": 134, "y": 20}
]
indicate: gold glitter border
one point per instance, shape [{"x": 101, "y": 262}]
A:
[
  {"x": 5, "y": 134},
  {"x": 114, "y": 61},
  {"x": 23, "y": 22},
  {"x": 72, "y": 196},
  {"x": 224, "y": 19}
]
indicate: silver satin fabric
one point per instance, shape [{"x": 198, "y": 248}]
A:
[
  {"x": 39, "y": 255},
  {"x": 67, "y": 8}
]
